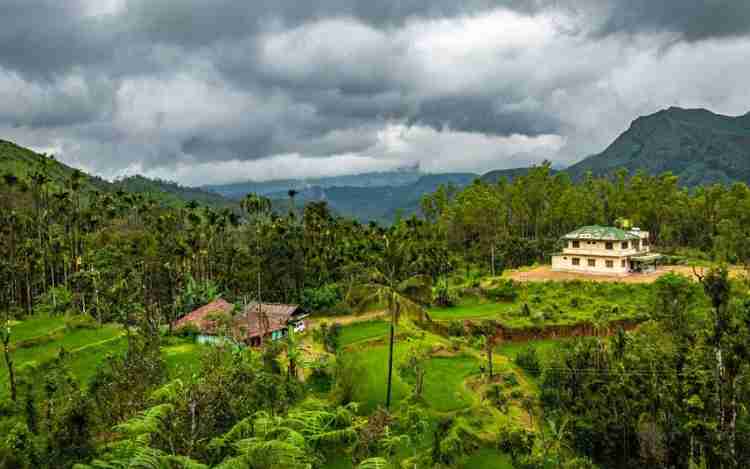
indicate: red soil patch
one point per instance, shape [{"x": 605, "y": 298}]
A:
[{"x": 545, "y": 273}]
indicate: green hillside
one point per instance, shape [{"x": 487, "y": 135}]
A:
[
  {"x": 22, "y": 163},
  {"x": 171, "y": 193},
  {"x": 695, "y": 144}
]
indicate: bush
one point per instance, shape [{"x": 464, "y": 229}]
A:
[
  {"x": 80, "y": 322},
  {"x": 494, "y": 394},
  {"x": 505, "y": 291},
  {"x": 189, "y": 331},
  {"x": 515, "y": 440},
  {"x": 473, "y": 279},
  {"x": 443, "y": 295},
  {"x": 321, "y": 298},
  {"x": 510, "y": 379},
  {"x": 54, "y": 302},
  {"x": 329, "y": 336},
  {"x": 528, "y": 359},
  {"x": 456, "y": 328}
]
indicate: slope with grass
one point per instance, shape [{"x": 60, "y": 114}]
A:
[
  {"x": 37, "y": 341},
  {"x": 546, "y": 304}
]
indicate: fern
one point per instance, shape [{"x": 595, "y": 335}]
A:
[{"x": 373, "y": 463}]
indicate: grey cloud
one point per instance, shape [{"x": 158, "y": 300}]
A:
[
  {"x": 167, "y": 82},
  {"x": 692, "y": 19}
]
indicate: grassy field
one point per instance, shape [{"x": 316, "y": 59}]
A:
[
  {"x": 557, "y": 303},
  {"x": 39, "y": 340},
  {"x": 183, "y": 359},
  {"x": 488, "y": 458},
  {"x": 362, "y": 331},
  {"x": 444, "y": 388},
  {"x": 544, "y": 347},
  {"x": 35, "y": 327},
  {"x": 371, "y": 387}
]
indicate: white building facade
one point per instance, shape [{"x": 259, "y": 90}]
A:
[{"x": 604, "y": 250}]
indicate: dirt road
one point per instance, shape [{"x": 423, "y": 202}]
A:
[{"x": 544, "y": 273}]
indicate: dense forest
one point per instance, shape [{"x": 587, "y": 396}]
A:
[{"x": 674, "y": 393}]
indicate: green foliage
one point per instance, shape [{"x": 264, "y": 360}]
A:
[
  {"x": 504, "y": 291},
  {"x": 515, "y": 440},
  {"x": 528, "y": 359},
  {"x": 329, "y": 336},
  {"x": 321, "y": 299},
  {"x": 443, "y": 295},
  {"x": 56, "y": 301}
]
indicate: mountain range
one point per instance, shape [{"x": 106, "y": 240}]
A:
[{"x": 697, "y": 145}]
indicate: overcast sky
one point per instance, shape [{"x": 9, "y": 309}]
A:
[{"x": 209, "y": 91}]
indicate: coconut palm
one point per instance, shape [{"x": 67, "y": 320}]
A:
[{"x": 392, "y": 283}]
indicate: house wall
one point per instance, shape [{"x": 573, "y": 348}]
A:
[
  {"x": 564, "y": 263},
  {"x": 599, "y": 248}
]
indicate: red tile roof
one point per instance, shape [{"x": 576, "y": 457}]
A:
[
  {"x": 276, "y": 314},
  {"x": 200, "y": 317}
]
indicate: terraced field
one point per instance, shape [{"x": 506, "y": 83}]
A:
[{"x": 37, "y": 341}]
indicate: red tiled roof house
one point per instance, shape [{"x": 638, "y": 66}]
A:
[{"x": 255, "y": 324}]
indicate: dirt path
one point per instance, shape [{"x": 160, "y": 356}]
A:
[
  {"x": 544, "y": 273},
  {"x": 348, "y": 319}
]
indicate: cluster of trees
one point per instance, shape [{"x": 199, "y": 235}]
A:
[
  {"x": 519, "y": 222},
  {"x": 673, "y": 394},
  {"x": 677, "y": 393}
]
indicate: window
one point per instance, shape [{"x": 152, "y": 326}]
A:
[
  {"x": 592, "y": 262},
  {"x": 609, "y": 264},
  {"x": 623, "y": 263},
  {"x": 608, "y": 245},
  {"x": 576, "y": 261},
  {"x": 645, "y": 242},
  {"x": 636, "y": 244},
  {"x": 625, "y": 245},
  {"x": 575, "y": 244}
]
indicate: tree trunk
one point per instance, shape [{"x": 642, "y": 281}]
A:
[
  {"x": 9, "y": 364},
  {"x": 492, "y": 267},
  {"x": 390, "y": 365}
]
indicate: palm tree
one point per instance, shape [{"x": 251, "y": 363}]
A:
[
  {"x": 391, "y": 282},
  {"x": 292, "y": 193}
]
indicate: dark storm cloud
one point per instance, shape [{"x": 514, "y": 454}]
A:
[
  {"x": 478, "y": 114},
  {"x": 42, "y": 37},
  {"x": 154, "y": 83},
  {"x": 692, "y": 19}
]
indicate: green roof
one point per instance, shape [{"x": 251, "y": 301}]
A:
[{"x": 596, "y": 232}]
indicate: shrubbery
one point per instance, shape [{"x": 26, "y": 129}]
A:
[
  {"x": 528, "y": 359},
  {"x": 328, "y": 335},
  {"x": 505, "y": 291},
  {"x": 322, "y": 298},
  {"x": 443, "y": 295}
]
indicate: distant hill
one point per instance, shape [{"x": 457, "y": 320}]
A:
[
  {"x": 379, "y": 203},
  {"x": 397, "y": 177},
  {"x": 23, "y": 162},
  {"x": 695, "y": 144},
  {"x": 172, "y": 194}
]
